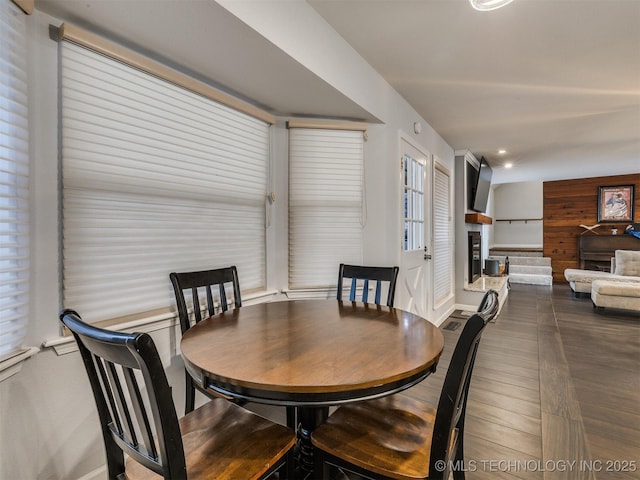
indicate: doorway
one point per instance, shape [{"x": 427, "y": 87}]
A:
[{"x": 416, "y": 228}]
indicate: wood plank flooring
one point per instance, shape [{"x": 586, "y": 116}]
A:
[
  {"x": 603, "y": 355},
  {"x": 555, "y": 393}
]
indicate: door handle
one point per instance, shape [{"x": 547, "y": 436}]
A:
[{"x": 427, "y": 256}]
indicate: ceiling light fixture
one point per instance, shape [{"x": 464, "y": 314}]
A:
[
  {"x": 487, "y": 5},
  {"x": 502, "y": 151},
  {"x": 508, "y": 165}
]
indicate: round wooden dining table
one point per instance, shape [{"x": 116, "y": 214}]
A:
[{"x": 311, "y": 354}]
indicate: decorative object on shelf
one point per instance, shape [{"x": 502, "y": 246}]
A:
[
  {"x": 492, "y": 267},
  {"x": 633, "y": 230},
  {"x": 591, "y": 228},
  {"x": 615, "y": 204},
  {"x": 487, "y": 5},
  {"x": 614, "y": 231}
]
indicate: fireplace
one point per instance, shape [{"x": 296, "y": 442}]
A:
[{"x": 475, "y": 256}]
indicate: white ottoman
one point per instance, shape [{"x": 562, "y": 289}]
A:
[{"x": 623, "y": 295}]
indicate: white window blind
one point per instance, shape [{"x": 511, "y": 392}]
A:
[
  {"x": 14, "y": 179},
  {"x": 156, "y": 179},
  {"x": 326, "y": 169},
  {"x": 442, "y": 237}
]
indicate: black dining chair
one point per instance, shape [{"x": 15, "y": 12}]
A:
[
  {"x": 489, "y": 305},
  {"x": 138, "y": 417},
  {"x": 399, "y": 437},
  {"x": 217, "y": 286},
  {"x": 363, "y": 274}
]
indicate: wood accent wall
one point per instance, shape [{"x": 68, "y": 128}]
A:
[{"x": 569, "y": 203}]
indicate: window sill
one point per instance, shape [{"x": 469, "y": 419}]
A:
[
  {"x": 12, "y": 365},
  {"x": 311, "y": 293},
  {"x": 66, "y": 344},
  {"x": 261, "y": 296}
]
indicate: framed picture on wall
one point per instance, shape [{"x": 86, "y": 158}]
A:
[{"x": 615, "y": 204}]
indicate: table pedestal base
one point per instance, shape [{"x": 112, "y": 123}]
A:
[{"x": 308, "y": 419}]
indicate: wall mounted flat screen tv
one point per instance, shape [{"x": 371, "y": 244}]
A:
[
  {"x": 472, "y": 179},
  {"x": 482, "y": 188}
]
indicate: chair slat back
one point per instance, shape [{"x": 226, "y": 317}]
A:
[
  {"x": 121, "y": 368},
  {"x": 363, "y": 274},
  {"x": 453, "y": 397},
  {"x": 226, "y": 281},
  {"x": 488, "y": 308}
]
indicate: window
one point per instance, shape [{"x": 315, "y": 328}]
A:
[
  {"x": 14, "y": 179},
  {"x": 156, "y": 178},
  {"x": 326, "y": 168},
  {"x": 413, "y": 171}
]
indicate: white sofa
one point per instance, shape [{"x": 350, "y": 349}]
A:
[{"x": 625, "y": 268}]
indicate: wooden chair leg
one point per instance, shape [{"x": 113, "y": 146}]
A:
[
  {"x": 290, "y": 467},
  {"x": 291, "y": 418},
  {"x": 321, "y": 470},
  {"x": 190, "y": 394}
]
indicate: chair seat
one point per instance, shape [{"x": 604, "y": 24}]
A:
[
  {"x": 389, "y": 436},
  {"x": 224, "y": 441}
]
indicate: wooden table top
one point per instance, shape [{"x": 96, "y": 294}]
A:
[{"x": 310, "y": 350}]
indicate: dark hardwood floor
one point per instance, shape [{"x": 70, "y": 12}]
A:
[{"x": 555, "y": 393}]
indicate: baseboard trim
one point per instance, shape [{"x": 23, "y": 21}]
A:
[{"x": 99, "y": 473}]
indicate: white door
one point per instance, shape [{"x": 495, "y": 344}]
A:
[{"x": 415, "y": 252}]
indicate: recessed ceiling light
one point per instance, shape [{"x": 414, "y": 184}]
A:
[
  {"x": 502, "y": 151},
  {"x": 508, "y": 165}
]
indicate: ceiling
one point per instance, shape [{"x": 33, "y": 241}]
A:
[
  {"x": 556, "y": 83},
  {"x": 209, "y": 43}
]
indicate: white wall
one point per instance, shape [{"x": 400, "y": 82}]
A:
[
  {"x": 521, "y": 202},
  {"x": 49, "y": 427}
]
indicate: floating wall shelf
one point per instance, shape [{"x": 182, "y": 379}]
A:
[{"x": 478, "y": 218}]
